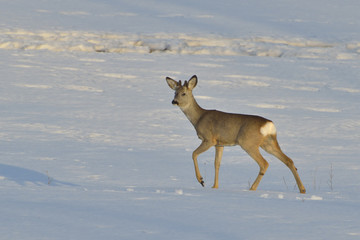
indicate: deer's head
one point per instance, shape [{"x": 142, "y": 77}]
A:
[{"x": 183, "y": 93}]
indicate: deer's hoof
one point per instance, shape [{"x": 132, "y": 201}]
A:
[{"x": 202, "y": 183}]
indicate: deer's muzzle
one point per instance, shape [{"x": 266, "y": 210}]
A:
[{"x": 174, "y": 102}]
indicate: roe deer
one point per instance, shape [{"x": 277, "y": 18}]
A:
[{"x": 220, "y": 129}]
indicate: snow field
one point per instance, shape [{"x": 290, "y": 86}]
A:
[
  {"x": 91, "y": 147},
  {"x": 112, "y": 151},
  {"x": 59, "y": 41}
]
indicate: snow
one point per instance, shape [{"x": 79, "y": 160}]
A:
[{"x": 91, "y": 146}]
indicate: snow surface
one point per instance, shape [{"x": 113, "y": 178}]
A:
[{"x": 91, "y": 147}]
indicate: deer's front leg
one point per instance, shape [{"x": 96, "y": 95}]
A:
[
  {"x": 218, "y": 155},
  {"x": 205, "y": 145}
]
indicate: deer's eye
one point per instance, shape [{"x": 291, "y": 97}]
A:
[{"x": 183, "y": 94}]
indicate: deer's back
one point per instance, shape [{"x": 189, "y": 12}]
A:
[{"x": 224, "y": 128}]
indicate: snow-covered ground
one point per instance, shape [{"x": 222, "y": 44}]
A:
[{"x": 91, "y": 147}]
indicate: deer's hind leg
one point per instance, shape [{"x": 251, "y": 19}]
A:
[
  {"x": 263, "y": 164},
  {"x": 250, "y": 143},
  {"x": 271, "y": 146}
]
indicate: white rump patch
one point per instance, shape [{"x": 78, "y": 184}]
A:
[{"x": 268, "y": 129}]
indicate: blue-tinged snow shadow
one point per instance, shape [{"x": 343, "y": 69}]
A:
[{"x": 22, "y": 176}]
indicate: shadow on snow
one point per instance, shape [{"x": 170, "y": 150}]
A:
[{"x": 22, "y": 176}]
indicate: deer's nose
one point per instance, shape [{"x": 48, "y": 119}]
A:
[{"x": 174, "y": 102}]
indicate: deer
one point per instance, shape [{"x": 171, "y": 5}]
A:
[{"x": 218, "y": 129}]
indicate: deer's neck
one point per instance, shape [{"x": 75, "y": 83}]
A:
[{"x": 193, "y": 112}]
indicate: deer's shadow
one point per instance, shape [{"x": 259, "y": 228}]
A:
[{"x": 22, "y": 176}]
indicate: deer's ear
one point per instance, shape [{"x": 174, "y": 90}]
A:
[
  {"x": 172, "y": 83},
  {"x": 192, "y": 82}
]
